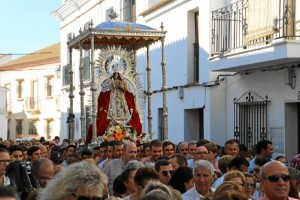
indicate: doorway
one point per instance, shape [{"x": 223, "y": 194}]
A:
[
  {"x": 193, "y": 124},
  {"x": 292, "y": 122}
]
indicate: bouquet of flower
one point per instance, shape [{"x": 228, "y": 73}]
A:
[{"x": 119, "y": 133}]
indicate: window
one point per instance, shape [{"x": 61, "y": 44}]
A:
[
  {"x": 66, "y": 75},
  {"x": 128, "y": 11},
  {"x": 86, "y": 66},
  {"x": 32, "y": 102},
  {"x": 33, "y": 127},
  {"x": 19, "y": 89},
  {"x": 8, "y": 97},
  {"x": 193, "y": 47},
  {"x": 250, "y": 119},
  {"x": 266, "y": 12},
  {"x": 196, "y": 49},
  {"x": 49, "y": 86},
  {"x": 19, "y": 127},
  {"x": 48, "y": 128}
]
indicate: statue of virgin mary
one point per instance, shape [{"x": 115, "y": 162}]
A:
[{"x": 116, "y": 101}]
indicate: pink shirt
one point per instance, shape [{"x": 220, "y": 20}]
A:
[{"x": 266, "y": 198}]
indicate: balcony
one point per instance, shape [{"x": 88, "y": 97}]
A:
[
  {"x": 32, "y": 105},
  {"x": 255, "y": 34}
]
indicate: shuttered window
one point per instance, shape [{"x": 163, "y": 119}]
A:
[{"x": 262, "y": 18}]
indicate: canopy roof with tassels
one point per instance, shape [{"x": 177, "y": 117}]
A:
[{"x": 128, "y": 35}]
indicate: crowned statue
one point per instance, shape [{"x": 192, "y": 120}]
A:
[{"x": 120, "y": 96}]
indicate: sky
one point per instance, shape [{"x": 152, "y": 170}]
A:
[{"x": 27, "y": 25}]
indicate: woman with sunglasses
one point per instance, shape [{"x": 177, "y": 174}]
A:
[
  {"x": 250, "y": 184},
  {"x": 79, "y": 181}
]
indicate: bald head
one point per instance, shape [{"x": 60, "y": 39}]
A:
[
  {"x": 275, "y": 180},
  {"x": 270, "y": 165},
  {"x": 43, "y": 170},
  {"x": 129, "y": 151},
  {"x": 128, "y": 145}
]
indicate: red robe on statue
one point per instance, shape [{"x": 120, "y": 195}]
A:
[{"x": 102, "y": 122}]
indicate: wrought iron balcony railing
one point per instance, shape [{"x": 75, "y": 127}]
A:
[{"x": 252, "y": 23}]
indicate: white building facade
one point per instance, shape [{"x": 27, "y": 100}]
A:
[
  {"x": 3, "y": 117},
  {"x": 259, "y": 48},
  {"x": 226, "y": 78},
  {"x": 33, "y": 95}
]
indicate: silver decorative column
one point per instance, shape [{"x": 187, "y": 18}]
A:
[
  {"x": 164, "y": 88},
  {"x": 81, "y": 93},
  {"x": 93, "y": 90},
  {"x": 71, "y": 96},
  {"x": 149, "y": 92}
]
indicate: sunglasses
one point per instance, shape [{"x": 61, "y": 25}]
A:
[
  {"x": 275, "y": 178},
  {"x": 165, "y": 173},
  {"x": 86, "y": 197}
]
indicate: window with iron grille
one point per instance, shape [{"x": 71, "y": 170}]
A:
[
  {"x": 250, "y": 118},
  {"x": 19, "y": 127}
]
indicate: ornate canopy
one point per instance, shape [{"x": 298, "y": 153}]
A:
[
  {"x": 117, "y": 37},
  {"x": 128, "y": 35}
]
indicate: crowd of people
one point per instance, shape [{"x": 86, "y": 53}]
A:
[{"x": 54, "y": 170}]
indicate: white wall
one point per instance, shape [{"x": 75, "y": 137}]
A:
[
  {"x": 177, "y": 50},
  {"x": 262, "y": 83},
  {"x": 3, "y": 117}
]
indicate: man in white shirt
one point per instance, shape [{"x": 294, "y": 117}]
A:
[{"x": 203, "y": 178}]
